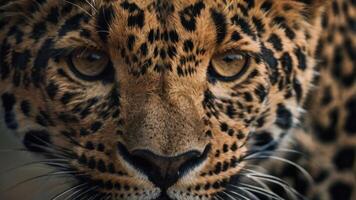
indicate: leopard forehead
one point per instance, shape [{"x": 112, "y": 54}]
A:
[{"x": 159, "y": 94}]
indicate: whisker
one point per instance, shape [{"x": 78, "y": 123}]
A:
[
  {"x": 53, "y": 173},
  {"x": 261, "y": 191},
  {"x": 238, "y": 195},
  {"x": 85, "y": 192},
  {"x": 54, "y": 162},
  {"x": 244, "y": 191},
  {"x": 228, "y": 195},
  {"x": 94, "y": 197},
  {"x": 76, "y": 191},
  {"x": 81, "y": 8},
  {"x": 67, "y": 191},
  {"x": 290, "y": 191},
  {"x": 300, "y": 168}
]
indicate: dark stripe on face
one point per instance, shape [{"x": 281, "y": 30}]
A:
[
  {"x": 8, "y": 102},
  {"x": 72, "y": 24},
  {"x": 189, "y": 14},
  {"x": 45, "y": 53},
  {"x": 4, "y": 66},
  {"x": 104, "y": 20},
  {"x": 21, "y": 59},
  {"x": 220, "y": 24},
  {"x": 244, "y": 25},
  {"x": 37, "y": 141},
  {"x": 272, "y": 62},
  {"x": 136, "y": 17}
]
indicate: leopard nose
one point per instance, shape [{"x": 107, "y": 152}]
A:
[{"x": 165, "y": 171}]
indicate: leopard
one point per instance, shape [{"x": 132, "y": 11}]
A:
[{"x": 184, "y": 99}]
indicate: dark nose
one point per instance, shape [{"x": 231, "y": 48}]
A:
[{"x": 165, "y": 171}]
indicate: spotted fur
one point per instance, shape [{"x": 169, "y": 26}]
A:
[{"x": 159, "y": 94}]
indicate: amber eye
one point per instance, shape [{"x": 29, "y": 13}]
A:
[
  {"x": 229, "y": 66},
  {"x": 89, "y": 64}
]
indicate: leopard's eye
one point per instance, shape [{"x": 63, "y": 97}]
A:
[
  {"x": 89, "y": 64},
  {"x": 229, "y": 66}
]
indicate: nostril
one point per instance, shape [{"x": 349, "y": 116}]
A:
[{"x": 163, "y": 171}]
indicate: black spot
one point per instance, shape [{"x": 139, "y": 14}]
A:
[
  {"x": 67, "y": 97},
  {"x": 71, "y": 24},
  {"x": 340, "y": 190},
  {"x": 92, "y": 163},
  {"x": 259, "y": 25},
  {"x": 172, "y": 51},
  {"x": 20, "y": 59},
  {"x": 37, "y": 141},
  {"x": 224, "y": 127},
  {"x": 131, "y": 42},
  {"x": 188, "y": 46},
  {"x": 262, "y": 138},
  {"x": 101, "y": 147},
  {"x": 8, "y": 102},
  {"x": 284, "y": 117},
  {"x": 52, "y": 89},
  {"x": 328, "y": 133},
  {"x": 302, "y": 61},
  {"x": 243, "y": 24},
  {"x": 26, "y": 107},
  {"x": 276, "y": 41},
  {"x": 327, "y": 96},
  {"x": 83, "y": 159},
  {"x": 143, "y": 49},
  {"x": 260, "y": 122},
  {"x": 4, "y": 66},
  {"x": 236, "y": 36},
  {"x": 44, "y": 119},
  {"x": 248, "y": 97},
  {"x": 298, "y": 89},
  {"x": 345, "y": 158},
  {"x": 261, "y": 92},
  {"x": 269, "y": 58},
  {"x": 322, "y": 176},
  {"x": 287, "y": 63},
  {"x": 53, "y": 15},
  {"x": 38, "y": 30},
  {"x": 220, "y": 24},
  {"x": 173, "y": 36},
  {"x": 41, "y": 61},
  {"x": 266, "y": 6},
  {"x": 96, "y": 126},
  {"x": 189, "y": 14},
  {"x": 89, "y": 145},
  {"x": 101, "y": 166},
  {"x": 104, "y": 20},
  {"x": 350, "y": 125},
  {"x": 137, "y": 15},
  {"x": 289, "y": 32}
]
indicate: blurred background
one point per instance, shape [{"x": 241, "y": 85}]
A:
[{"x": 18, "y": 172}]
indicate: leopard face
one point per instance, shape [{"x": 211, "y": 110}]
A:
[{"x": 156, "y": 99}]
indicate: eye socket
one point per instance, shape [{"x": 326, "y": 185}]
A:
[
  {"x": 229, "y": 66},
  {"x": 88, "y": 64}
]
